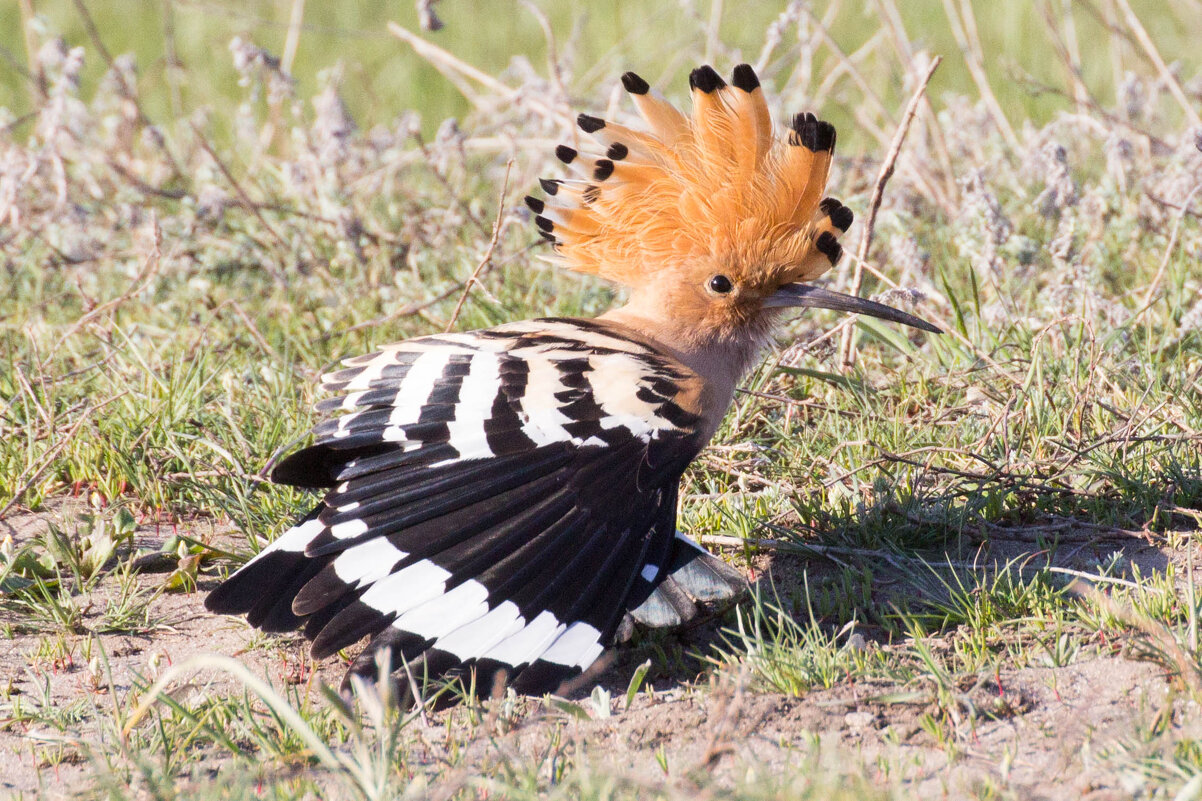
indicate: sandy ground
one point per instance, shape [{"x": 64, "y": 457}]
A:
[{"x": 1037, "y": 731}]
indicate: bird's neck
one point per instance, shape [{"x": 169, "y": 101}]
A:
[{"x": 719, "y": 361}]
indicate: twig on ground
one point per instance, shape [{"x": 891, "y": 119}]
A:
[{"x": 894, "y": 559}]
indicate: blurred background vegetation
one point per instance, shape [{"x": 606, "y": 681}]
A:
[{"x": 181, "y": 46}]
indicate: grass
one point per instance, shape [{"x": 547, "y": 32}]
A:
[{"x": 958, "y": 535}]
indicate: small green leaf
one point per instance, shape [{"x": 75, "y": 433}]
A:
[
  {"x": 636, "y": 682},
  {"x": 833, "y": 378},
  {"x": 568, "y": 707},
  {"x": 602, "y": 702}
]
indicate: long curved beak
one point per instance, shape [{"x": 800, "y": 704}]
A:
[{"x": 813, "y": 297}]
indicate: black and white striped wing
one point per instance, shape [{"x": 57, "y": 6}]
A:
[{"x": 494, "y": 499}]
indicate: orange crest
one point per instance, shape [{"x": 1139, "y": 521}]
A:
[{"x": 717, "y": 186}]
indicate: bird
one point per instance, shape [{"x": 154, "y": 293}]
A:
[{"x": 502, "y": 503}]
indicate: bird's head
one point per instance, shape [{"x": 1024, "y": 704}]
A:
[{"x": 712, "y": 221}]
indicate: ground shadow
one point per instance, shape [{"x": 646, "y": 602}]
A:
[{"x": 904, "y": 553}]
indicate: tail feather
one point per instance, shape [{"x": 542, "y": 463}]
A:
[
  {"x": 691, "y": 577},
  {"x": 668, "y": 606}
]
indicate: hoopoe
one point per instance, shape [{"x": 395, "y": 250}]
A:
[{"x": 505, "y": 500}]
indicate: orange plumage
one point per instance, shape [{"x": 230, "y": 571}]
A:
[{"x": 717, "y": 186}]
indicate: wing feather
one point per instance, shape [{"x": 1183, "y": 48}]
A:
[{"x": 470, "y": 516}]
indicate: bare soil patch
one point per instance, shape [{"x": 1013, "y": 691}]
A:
[{"x": 1042, "y": 732}]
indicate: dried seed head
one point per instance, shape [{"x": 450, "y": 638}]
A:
[
  {"x": 1133, "y": 96},
  {"x": 1060, "y": 190}
]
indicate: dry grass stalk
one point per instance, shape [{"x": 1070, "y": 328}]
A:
[
  {"x": 847, "y": 351},
  {"x": 1166, "y": 75},
  {"x": 454, "y": 69},
  {"x": 964, "y": 28},
  {"x": 38, "y": 78},
  {"x": 486, "y": 259},
  {"x": 1170, "y": 248},
  {"x": 296, "y": 21}
]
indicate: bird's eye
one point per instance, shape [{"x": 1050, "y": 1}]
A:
[{"x": 721, "y": 284}]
